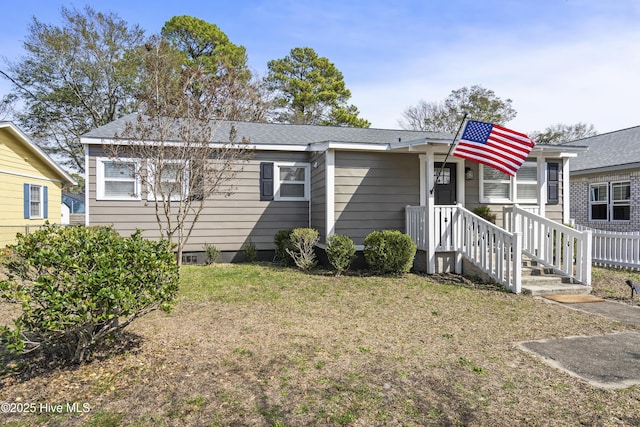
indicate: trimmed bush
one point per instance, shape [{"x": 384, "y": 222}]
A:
[
  {"x": 389, "y": 252},
  {"x": 250, "y": 251},
  {"x": 282, "y": 240},
  {"x": 303, "y": 242},
  {"x": 341, "y": 251},
  {"x": 79, "y": 286},
  {"x": 485, "y": 212},
  {"x": 212, "y": 253}
]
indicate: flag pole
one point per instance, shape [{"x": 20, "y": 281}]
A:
[{"x": 453, "y": 143}]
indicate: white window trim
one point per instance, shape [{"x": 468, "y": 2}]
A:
[
  {"x": 513, "y": 187},
  {"x": 100, "y": 180},
  {"x": 606, "y": 202},
  {"x": 40, "y": 214},
  {"x": 150, "y": 181},
  {"x": 277, "y": 182},
  {"x": 613, "y": 203}
]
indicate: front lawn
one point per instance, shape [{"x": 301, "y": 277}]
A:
[{"x": 262, "y": 345}]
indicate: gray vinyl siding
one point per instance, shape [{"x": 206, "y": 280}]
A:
[
  {"x": 372, "y": 191},
  {"x": 227, "y": 222},
  {"x": 319, "y": 195},
  {"x": 472, "y": 187}
]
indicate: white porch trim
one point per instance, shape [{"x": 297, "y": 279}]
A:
[
  {"x": 542, "y": 184},
  {"x": 330, "y": 187},
  {"x": 430, "y": 204},
  {"x": 87, "y": 179},
  {"x": 566, "y": 199}
]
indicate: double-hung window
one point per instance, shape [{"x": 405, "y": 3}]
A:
[
  {"x": 610, "y": 201},
  {"x": 621, "y": 201},
  {"x": 599, "y": 202},
  {"x": 168, "y": 180},
  {"x": 292, "y": 181},
  {"x": 117, "y": 179},
  {"x": 497, "y": 187},
  {"x": 35, "y": 201}
]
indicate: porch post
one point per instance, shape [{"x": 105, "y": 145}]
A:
[
  {"x": 430, "y": 203},
  {"x": 542, "y": 184},
  {"x": 423, "y": 182},
  {"x": 517, "y": 262},
  {"x": 566, "y": 197},
  {"x": 587, "y": 247}
]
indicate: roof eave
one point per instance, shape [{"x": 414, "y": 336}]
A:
[
  {"x": 38, "y": 151},
  {"x": 604, "y": 169}
]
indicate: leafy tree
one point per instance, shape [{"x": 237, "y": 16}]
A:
[
  {"x": 7, "y": 107},
  {"x": 74, "y": 78},
  {"x": 561, "y": 133},
  {"x": 477, "y": 102},
  {"x": 79, "y": 188},
  {"x": 205, "y": 46},
  {"x": 236, "y": 93},
  {"x": 180, "y": 177},
  {"x": 309, "y": 89}
]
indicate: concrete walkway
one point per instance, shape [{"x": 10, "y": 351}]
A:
[{"x": 606, "y": 361}]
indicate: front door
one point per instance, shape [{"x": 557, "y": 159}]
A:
[{"x": 445, "y": 188}]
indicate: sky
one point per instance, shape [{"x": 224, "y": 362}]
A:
[{"x": 559, "y": 61}]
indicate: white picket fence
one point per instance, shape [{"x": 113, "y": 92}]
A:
[{"x": 614, "y": 248}]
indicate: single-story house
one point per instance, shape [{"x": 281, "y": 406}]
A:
[
  {"x": 338, "y": 180},
  {"x": 30, "y": 185},
  {"x": 605, "y": 181}
]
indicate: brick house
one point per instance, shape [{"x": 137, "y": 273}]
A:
[{"x": 605, "y": 181}]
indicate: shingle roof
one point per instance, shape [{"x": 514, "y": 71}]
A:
[
  {"x": 286, "y": 134},
  {"x": 613, "y": 150}
]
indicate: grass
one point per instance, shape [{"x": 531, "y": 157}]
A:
[{"x": 269, "y": 346}]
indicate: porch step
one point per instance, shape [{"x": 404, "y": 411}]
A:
[
  {"x": 540, "y": 289},
  {"x": 538, "y": 280}
]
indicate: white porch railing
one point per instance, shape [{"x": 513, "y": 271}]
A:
[
  {"x": 416, "y": 225},
  {"x": 490, "y": 248},
  {"x": 507, "y": 213},
  {"x": 565, "y": 249},
  {"x": 617, "y": 249},
  {"x": 494, "y": 250}
]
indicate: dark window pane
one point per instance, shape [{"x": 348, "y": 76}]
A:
[
  {"x": 292, "y": 190},
  {"x": 621, "y": 213},
  {"x": 599, "y": 212}
]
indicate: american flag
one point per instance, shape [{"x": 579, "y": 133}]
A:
[{"x": 494, "y": 146}]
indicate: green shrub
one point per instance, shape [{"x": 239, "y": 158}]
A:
[
  {"x": 389, "y": 252},
  {"x": 485, "y": 212},
  {"x": 341, "y": 251},
  {"x": 282, "y": 240},
  {"x": 303, "y": 242},
  {"x": 79, "y": 286},
  {"x": 250, "y": 251},
  {"x": 212, "y": 252}
]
